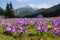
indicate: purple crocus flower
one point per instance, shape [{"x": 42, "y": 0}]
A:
[
  {"x": 57, "y": 31},
  {"x": 13, "y": 29},
  {"x": 53, "y": 26},
  {"x": 8, "y": 28},
  {"x": 3, "y": 26},
  {"x": 19, "y": 27},
  {"x": 22, "y": 22},
  {"x": 59, "y": 24},
  {"x": 35, "y": 20},
  {"x": 38, "y": 28},
  {"x": 26, "y": 22},
  {"x": 26, "y": 31},
  {"x": 18, "y": 23},
  {"x": 21, "y": 31},
  {"x": 42, "y": 28},
  {"x": 44, "y": 21},
  {"x": 45, "y": 29},
  {"x": 54, "y": 23}
]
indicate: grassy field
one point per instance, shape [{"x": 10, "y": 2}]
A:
[{"x": 31, "y": 35}]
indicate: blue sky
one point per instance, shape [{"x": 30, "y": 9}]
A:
[{"x": 33, "y": 3}]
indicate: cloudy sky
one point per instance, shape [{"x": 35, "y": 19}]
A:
[{"x": 32, "y": 3}]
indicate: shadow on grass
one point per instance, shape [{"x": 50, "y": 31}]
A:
[
  {"x": 7, "y": 33},
  {"x": 30, "y": 35}
]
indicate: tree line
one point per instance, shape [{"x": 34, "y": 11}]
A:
[{"x": 8, "y": 12}]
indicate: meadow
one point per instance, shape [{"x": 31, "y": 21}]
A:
[{"x": 30, "y": 29}]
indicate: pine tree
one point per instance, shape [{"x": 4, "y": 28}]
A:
[
  {"x": 9, "y": 12},
  {"x": 12, "y": 11}
]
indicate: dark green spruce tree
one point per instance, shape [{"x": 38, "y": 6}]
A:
[
  {"x": 9, "y": 12},
  {"x": 1, "y": 11}
]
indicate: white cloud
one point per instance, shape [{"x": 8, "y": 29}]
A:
[
  {"x": 21, "y": 0},
  {"x": 43, "y": 6},
  {"x": 39, "y": 6},
  {"x": 32, "y": 5}
]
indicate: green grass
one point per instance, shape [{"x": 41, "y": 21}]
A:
[{"x": 32, "y": 35}]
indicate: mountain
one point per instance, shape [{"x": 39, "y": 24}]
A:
[
  {"x": 25, "y": 10},
  {"x": 50, "y": 12},
  {"x": 31, "y": 12}
]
